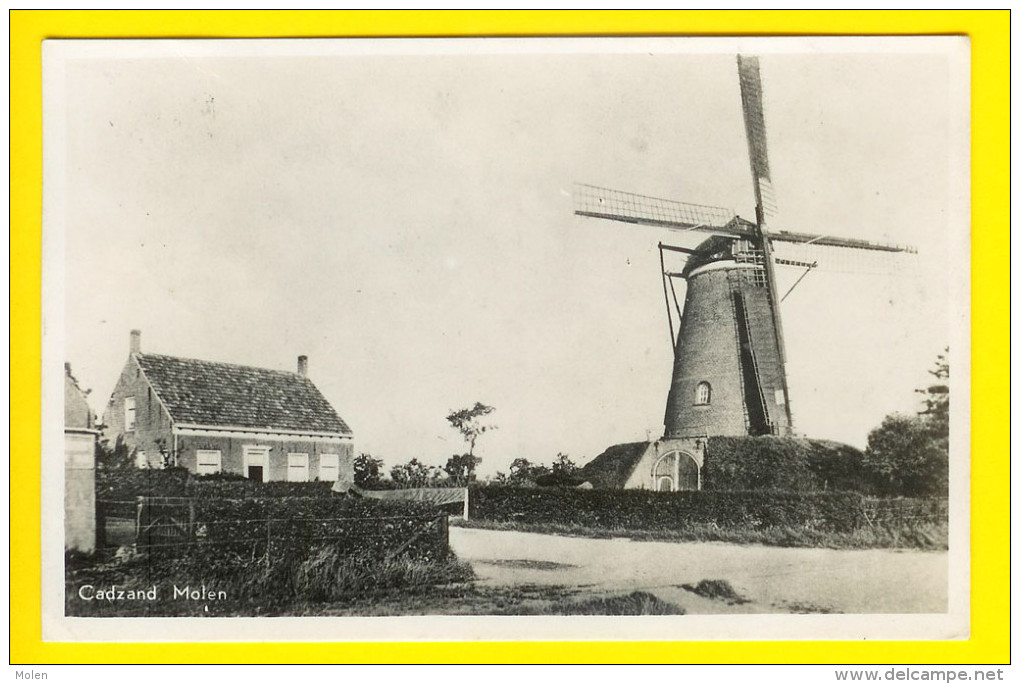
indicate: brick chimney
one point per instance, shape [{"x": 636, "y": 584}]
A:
[
  {"x": 136, "y": 341},
  {"x": 302, "y": 366}
]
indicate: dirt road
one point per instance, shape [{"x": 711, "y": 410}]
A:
[{"x": 771, "y": 579}]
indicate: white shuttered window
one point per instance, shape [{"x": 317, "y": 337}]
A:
[
  {"x": 329, "y": 467},
  {"x": 297, "y": 467},
  {"x": 209, "y": 462}
]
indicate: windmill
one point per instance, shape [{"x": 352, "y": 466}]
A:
[{"x": 729, "y": 357}]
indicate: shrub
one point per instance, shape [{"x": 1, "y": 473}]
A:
[
  {"x": 126, "y": 483},
  {"x": 906, "y": 457},
  {"x": 790, "y": 463},
  {"x": 244, "y": 488},
  {"x": 716, "y": 589}
]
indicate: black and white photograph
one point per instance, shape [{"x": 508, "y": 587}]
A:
[{"x": 418, "y": 339}]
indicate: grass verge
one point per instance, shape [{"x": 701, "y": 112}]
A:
[
  {"x": 140, "y": 585},
  {"x": 635, "y": 603},
  {"x": 924, "y": 536},
  {"x": 329, "y": 586}
]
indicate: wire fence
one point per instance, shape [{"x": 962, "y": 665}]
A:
[
  {"x": 180, "y": 525},
  {"x": 901, "y": 511}
]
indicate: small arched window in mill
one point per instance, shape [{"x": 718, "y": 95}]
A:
[{"x": 703, "y": 395}]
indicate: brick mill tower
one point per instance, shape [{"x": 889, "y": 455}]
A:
[
  {"x": 729, "y": 358},
  {"x": 728, "y": 366}
]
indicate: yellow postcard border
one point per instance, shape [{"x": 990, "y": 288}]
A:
[{"x": 990, "y": 559}]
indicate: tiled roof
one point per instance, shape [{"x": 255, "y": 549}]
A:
[
  {"x": 613, "y": 467},
  {"x": 223, "y": 394}
]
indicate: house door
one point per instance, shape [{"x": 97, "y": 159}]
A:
[
  {"x": 688, "y": 476},
  {"x": 676, "y": 471},
  {"x": 256, "y": 462}
]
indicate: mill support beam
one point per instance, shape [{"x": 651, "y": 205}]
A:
[{"x": 665, "y": 295}]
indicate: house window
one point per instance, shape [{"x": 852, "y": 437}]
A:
[
  {"x": 129, "y": 414},
  {"x": 329, "y": 467},
  {"x": 297, "y": 467},
  {"x": 703, "y": 395},
  {"x": 208, "y": 462}
]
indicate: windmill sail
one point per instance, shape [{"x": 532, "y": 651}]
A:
[
  {"x": 627, "y": 207},
  {"x": 754, "y": 124},
  {"x": 757, "y": 146}
]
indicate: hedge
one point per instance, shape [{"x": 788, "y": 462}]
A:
[
  {"x": 647, "y": 510},
  {"x": 126, "y": 484},
  {"x": 243, "y": 488}
]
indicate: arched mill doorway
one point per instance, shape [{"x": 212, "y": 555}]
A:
[{"x": 676, "y": 471}]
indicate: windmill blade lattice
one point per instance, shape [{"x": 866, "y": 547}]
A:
[
  {"x": 591, "y": 200},
  {"x": 856, "y": 260},
  {"x": 754, "y": 125}
]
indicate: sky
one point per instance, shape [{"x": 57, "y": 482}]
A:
[{"x": 402, "y": 214}]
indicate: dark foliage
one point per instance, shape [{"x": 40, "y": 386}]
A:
[
  {"x": 415, "y": 474},
  {"x": 904, "y": 458},
  {"x": 563, "y": 473},
  {"x": 788, "y": 463},
  {"x": 524, "y": 473},
  {"x": 906, "y": 511},
  {"x": 220, "y": 477},
  {"x": 124, "y": 483},
  {"x": 211, "y": 487},
  {"x": 460, "y": 469},
  {"x": 258, "y": 546},
  {"x": 558, "y": 480},
  {"x": 647, "y": 510},
  {"x": 351, "y": 524},
  {"x": 909, "y": 455},
  {"x": 564, "y": 466},
  {"x": 368, "y": 471},
  {"x": 468, "y": 422},
  {"x": 716, "y": 589},
  {"x": 128, "y": 483},
  {"x": 935, "y": 398}
]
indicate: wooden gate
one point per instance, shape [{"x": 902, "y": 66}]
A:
[{"x": 165, "y": 522}]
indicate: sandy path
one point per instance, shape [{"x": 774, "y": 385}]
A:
[{"x": 773, "y": 579}]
